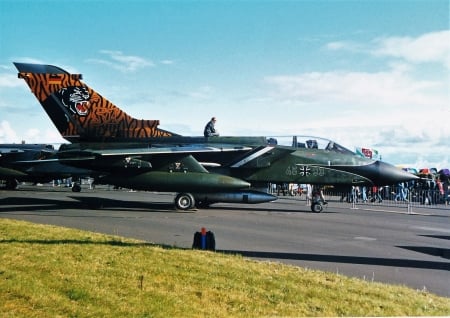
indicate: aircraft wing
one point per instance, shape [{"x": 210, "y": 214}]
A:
[
  {"x": 173, "y": 169},
  {"x": 143, "y": 158},
  {"x": 167, "y": 150}
]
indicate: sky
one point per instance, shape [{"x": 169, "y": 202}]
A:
[{"x": 371, "y": 74}]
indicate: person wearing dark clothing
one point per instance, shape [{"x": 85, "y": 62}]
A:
[
  {"x": 445, "y": 179},
  {"x": 210, "y": 129},
  {"x": 426, "y": 193}
]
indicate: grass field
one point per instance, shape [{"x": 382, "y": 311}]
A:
[{"x": 48, "y": 271}]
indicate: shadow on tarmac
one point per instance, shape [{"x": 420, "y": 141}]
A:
[
  {"x": 394, "y": 262},
  {"x": 12, "y": 204},
  {"x": 430, "y": 250}
]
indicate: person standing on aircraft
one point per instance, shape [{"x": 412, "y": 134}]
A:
[{"x": 210, "y": 129}]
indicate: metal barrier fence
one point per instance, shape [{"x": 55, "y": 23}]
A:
[
  {"x": 409, "y": 199},
  {"x": 388, "y": 196}
]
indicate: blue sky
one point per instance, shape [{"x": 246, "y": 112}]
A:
[{"x": 363, "y": 73}]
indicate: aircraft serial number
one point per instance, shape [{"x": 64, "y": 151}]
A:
[{"x": 305, "y": 171}]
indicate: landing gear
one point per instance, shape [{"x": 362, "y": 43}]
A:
[
  {"x": 317, "y": 207},
  {"x": 317, "y": 202},
  {"x": 184, "y": 201}
]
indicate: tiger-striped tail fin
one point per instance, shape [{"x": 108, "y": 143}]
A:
[{"x": 80, "y": 113}]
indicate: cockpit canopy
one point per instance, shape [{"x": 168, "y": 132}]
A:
[{"x": 308, "y": 142}]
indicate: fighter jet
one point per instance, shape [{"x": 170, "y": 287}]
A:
[
  {"x": 133, "y": 153},
  {"x": 35, "y": 163},
  {"x": 11, "y": 172}
]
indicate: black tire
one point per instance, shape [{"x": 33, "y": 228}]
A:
[
  {"x": 316, "y": 207},
  {"x": 184, "y": 201}
]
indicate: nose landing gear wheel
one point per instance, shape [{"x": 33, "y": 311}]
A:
[
  {"x": 316, "y": 207},
  {"x": 184, "y": 201}
]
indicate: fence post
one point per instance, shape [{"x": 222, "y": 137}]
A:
[
  {"x": 409, "y": 202},
  {"x": 353, "y": 198}
]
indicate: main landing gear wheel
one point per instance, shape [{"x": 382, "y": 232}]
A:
[{"x": 184, "y": 201}]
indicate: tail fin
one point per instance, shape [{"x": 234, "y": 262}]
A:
[{"x": 80, "y": 113}]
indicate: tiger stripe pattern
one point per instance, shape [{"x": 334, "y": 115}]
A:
[{"x": 91, "y": 116}]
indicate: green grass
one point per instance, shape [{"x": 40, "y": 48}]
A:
[{"x": 48, "y": 271}]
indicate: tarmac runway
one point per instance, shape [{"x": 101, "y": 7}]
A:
[{"x": 384, "y": 244}]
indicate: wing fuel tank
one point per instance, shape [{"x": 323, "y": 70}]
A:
[
  {"x": 236, "y": 197},
  {"x": 177, "y": 181},
  {"x": 6, "y": 172}
]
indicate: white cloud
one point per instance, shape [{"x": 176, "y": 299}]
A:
[
  {"x": 334, "y": 46},
  {"x": 9, "y": 81},
  {"x": 431, "y": 47},
  {"x": 391, "y": 96},
  {"x": 32, "y": 135},
  {"x": 394, "y": 109},
  {"x": 123, "y": 63},
  {"x": 392, "y": 87},
  {"x": 167, "y": 62},
  {"x": 7, "y": 133},
  {"x": 390, "y": 111},
  {"x": 344, "y": 45}
]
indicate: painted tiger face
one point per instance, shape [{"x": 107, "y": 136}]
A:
[{"x": 76, "y": 99}]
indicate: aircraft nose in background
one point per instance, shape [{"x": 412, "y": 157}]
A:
[{"x": 389, "y": 174}]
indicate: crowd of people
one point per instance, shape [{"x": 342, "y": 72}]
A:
[{"x": 426, "y": 191}]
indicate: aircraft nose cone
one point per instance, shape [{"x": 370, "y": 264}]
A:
[{"x": 389, "y": 174}]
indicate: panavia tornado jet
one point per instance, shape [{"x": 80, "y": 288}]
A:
[
  {"x": 29, "y": 163},
  {"x": 133, "y": 153},
  {"x": 11, "y": 172}
]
